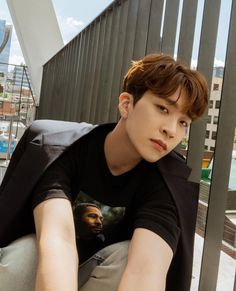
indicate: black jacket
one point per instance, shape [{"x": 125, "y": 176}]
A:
[{"x": 42, "y": 143}]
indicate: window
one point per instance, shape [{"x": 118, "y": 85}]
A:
[
  {"x": 209, "y": 119},
  {"x": 207, "y": 134},
  {"x": 213, "y": 135},
  {"x": 211, "y": 104},
  {"x": 212, "y": 149},
  {"x": 216, "y": 87},
  {"x": 217, "y": 104},
  {"x": 215, "y": 120}
]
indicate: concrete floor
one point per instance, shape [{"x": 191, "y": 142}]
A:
[{"x": 226, "y": 270}]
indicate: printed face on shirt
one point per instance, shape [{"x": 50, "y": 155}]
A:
[
  {"x": 155, "y": 126},
  {"x": 88, "y": 221},
  {"x": 93, "y": 219}
]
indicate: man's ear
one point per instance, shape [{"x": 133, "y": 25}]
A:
[{"x": 125, "y": 103}]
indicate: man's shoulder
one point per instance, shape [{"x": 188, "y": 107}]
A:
[
  {"x": 52, "y": 126},
  {"x": 57, "y": 132}
]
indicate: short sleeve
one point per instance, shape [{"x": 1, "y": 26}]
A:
[
  {"x": 156, "y": 211},
  {"x": 57, "y": 181}
]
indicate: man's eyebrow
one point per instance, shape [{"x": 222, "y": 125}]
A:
[
  {"x": 172, "y": 102},
  {"x": 176, "y": 105}
]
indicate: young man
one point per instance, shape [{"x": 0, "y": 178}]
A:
[{"x": 130, "y": 164}]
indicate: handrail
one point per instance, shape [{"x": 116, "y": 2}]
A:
[{"x": 26, "y": 75}]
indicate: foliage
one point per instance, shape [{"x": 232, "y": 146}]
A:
[
  {"x": 4, "y": 95},
  {"x": 184, "y": 143}
]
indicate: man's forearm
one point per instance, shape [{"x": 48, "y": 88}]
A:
[{"x": 57, "y": 267}]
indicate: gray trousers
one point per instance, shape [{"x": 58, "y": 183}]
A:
[{"x": 102, "y": 272}]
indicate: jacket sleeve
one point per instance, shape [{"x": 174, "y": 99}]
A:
[
  {"x": 42, "y": 143},
  {"x": 16, "y": 156}
]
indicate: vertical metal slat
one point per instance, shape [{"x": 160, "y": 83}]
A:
[
  {"x": 154, "y": 31},
  {"x": 140, "y": 41},
  {"x": 205, "y": 66},
  {"x": 117, "y": 76},
  {"x": 188, "y": 20},
  {"x": 102, "y": 108},
  {"x": 170, "y": 26},
  {"x": 221, "y": 168}
]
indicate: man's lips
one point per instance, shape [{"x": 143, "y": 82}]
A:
[
  {"x": 97, "y": 228},
  {"x": 160, "y": 143}
]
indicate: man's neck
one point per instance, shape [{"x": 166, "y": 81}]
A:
[{"x": 121, "y": 156}]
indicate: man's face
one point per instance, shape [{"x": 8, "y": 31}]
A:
[
  {"x": 93, "y": 220},
  {"x": 154, "y": 126}
]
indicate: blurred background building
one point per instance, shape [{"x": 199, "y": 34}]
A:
[{"x": 5, "y": 44}]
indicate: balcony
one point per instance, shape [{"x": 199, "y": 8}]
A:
[{"x": 82, "y": 81}]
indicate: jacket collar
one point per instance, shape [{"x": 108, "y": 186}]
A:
[{"x": 180, "y": 168}]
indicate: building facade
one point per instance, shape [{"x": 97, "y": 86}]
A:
[
  {"x": 214, "y": 108},
  {"x": 213, "y": 113},
  {"x": 20, "y": 77},
  {"x": 5, "y": 44}
]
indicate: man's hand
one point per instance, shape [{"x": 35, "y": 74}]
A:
[
  {"x": 58, "y": 259},
  {"x": 148, "y": 262}
]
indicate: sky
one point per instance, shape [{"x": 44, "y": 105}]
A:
[{"x": 73, "y": 17}]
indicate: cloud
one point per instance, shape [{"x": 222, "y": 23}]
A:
[
  {"x": 16, "y": 59},
  {"x": 3, "y": 14},
  {"x": 217, "y": 63},
  {"x": 69, "y": 27},
  {"x": 71, "y": 22}
]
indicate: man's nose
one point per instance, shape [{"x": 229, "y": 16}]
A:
[
  {"x": 170, "y": 129},
  {"x": 98, "y": 221}
]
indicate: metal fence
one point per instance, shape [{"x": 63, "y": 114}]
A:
[
  {"x": 17, "y": 109},
  {"x": 82, "y": 82}
]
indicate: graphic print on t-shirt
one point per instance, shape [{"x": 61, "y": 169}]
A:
[{"x": 94, "y": 224}]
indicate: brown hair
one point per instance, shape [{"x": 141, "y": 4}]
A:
[{"x": 162, "y": 75}]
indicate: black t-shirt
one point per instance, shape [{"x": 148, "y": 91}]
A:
[{"x": 138, "y": 198}]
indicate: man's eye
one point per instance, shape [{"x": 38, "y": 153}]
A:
[
  {"x": 184, "y": 123},
  {"x": 92, "y": 215},
  {"x": 162, "y": 108}
]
